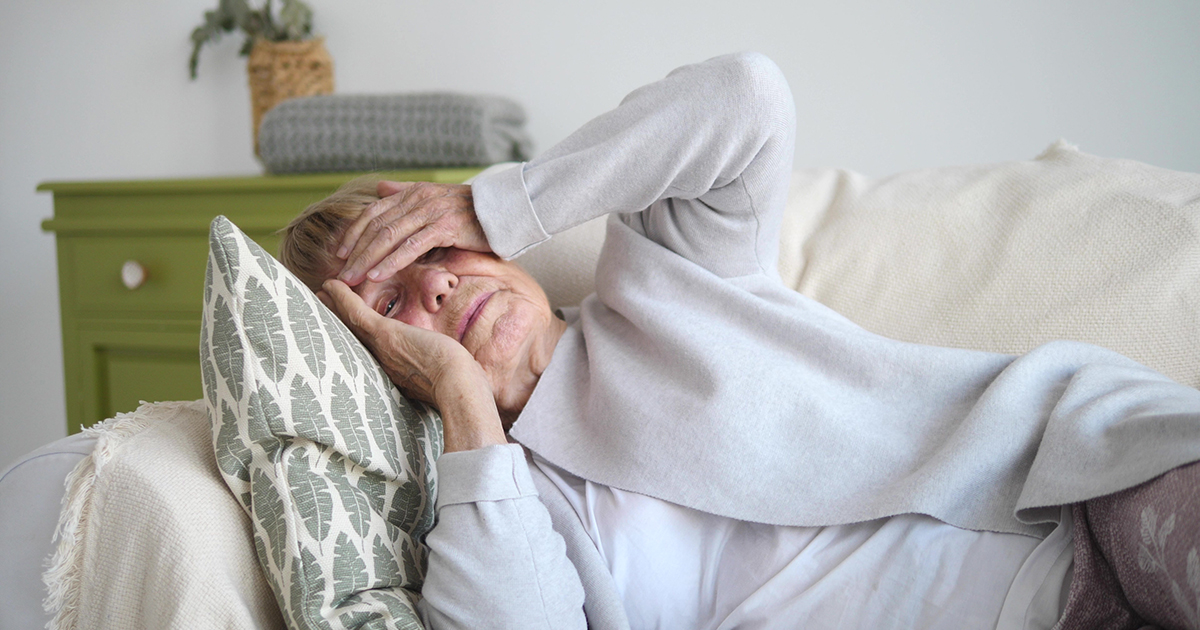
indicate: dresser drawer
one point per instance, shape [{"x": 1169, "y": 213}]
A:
[
  {"x": 173, "y": 265},
  {"x": 174, "y": 272}
]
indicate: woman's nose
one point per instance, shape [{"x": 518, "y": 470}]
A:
[{"x": 436, "y": 287}]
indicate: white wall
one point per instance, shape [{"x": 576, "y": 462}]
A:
[{"x": 98, "y": 90}]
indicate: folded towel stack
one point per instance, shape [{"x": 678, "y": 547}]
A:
[{"x": 373, "y": 132}]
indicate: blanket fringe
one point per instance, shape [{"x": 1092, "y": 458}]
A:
[{"x": 65, "y": 568}]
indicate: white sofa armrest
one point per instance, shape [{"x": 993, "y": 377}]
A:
[{"x": 31, "y": 492}]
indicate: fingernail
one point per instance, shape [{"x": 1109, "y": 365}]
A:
[
  {"x": 374, "y": 274},
  {"x": 342, "y": 252}
]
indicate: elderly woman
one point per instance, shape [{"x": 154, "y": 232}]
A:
[{"x": 697, "y": 445}]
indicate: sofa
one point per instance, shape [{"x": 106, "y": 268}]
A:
[{"x": 999, "y": 257}]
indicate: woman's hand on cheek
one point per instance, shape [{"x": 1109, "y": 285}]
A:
[
  {"x": 410, "y": 219},
  {"x": 425, "y": 365},
  {"x": 414, "y": 358}
]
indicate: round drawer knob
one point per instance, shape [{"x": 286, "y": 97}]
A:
[{"x": 133, "y": 274}]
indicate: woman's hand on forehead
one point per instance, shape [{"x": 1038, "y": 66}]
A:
[{"x": 409, "y": 219}]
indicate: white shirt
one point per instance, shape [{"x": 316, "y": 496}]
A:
[{"x": 676, "y": 567}]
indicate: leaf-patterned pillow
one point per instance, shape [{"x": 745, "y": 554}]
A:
[{"x": 334, "y": 467}]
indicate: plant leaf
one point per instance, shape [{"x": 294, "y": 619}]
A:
[
  {"x": 349, "y": 570},
  {"x": 235, "y": 11},
  {"x": 349, "y": 422},
  {"x": 269, "y": 512},
  {"x": 232, "y": 454},
  {"x": 306, "y": 328},
  {"x": 308, "y": 489},
  {"x": 383, "y": 426},
  {"x": 1149, "y": 524},
  {"x": 358, "y": 618},
  {"x": 358, "y": 508},
  {"x": 1145, "y": 560},
  {"x": 1168, "y": 526},
  {"x": 413, "y": 572},
  {"x": 403, "y": 609},
  {"x": 227, "y": 349},
  {"x": 265, "y": 261},
  {"x": 375, "y": 491},
  {"x": 407, "y": 506},
  {"x": 340, "y": 337},
  {"x": 266, "y": 427},
  {"x": 1177, "y": 593},
  {"x": 308, "y": 418},
  {"x": 387, "y": 572},
  {"x": 264, "y": 329},
  {"x": 1193, "y": 570},
  {"x": 308, "y": 597},
  {"x": 296, "y": 18}
]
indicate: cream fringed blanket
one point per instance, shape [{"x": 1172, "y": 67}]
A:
[{"x": 150, "y": 537}]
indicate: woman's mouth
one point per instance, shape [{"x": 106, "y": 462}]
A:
[{"x": 473, "y": 314}]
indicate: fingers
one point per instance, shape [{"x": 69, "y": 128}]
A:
[
  {"x": 349, "y": 307},
  {"x": 387, "y": 192},
  {"x": 403, "y": 226},
  {"x": 415, "y": 246},
  {"x": 360, "y": 225},
  {"x": 383, "y": 226}
]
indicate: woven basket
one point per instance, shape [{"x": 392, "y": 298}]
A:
[{"x": 282, "y": 70}]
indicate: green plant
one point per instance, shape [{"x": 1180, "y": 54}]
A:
[{"x": 293, "y": 23}]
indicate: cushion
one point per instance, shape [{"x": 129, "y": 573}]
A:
[
  {"x": 1132, "y": 548},
  {"x": 1158, "y": 523},
  {"x": 333, "y": 466},
  {"x": 1004, "y": 257}
]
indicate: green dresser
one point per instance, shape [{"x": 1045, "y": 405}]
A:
[{"x": 131, "y": 258}]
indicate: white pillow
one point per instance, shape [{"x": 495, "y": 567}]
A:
[{"x": 1004, "y": 257}]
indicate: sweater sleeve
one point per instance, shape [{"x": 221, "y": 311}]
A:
[
  {"x": 698, "y": 162},
  {"x": 495, "y": 560}
]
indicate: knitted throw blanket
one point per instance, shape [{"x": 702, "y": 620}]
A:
[
  {"x": 372, "y": 132},
  {"x": 149, "y": 535}
]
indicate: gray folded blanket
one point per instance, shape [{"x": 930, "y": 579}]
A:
[{"x": 371, "y": 132}]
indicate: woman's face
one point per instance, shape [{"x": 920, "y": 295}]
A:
[{"x": 496, "y": 310}]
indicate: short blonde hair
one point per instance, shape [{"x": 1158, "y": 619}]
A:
[{"x": 308, "y": 245}]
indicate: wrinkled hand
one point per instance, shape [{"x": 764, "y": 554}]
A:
[
  {"x": 410, "y": 219},
  {"x": 414, "y": 358},
  {"x": 425, "y": 365}
]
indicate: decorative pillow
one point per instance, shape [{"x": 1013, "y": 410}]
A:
[
  {"x": 1141, "y": 523},
  {"x": 1005, "y": 257},
  {"x": 334, "y": 467}
]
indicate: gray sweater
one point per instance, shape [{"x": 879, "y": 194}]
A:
[{"x": 695, "y": 376}]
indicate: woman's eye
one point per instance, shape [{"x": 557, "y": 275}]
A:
[{"x": 390, "y": 305}]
